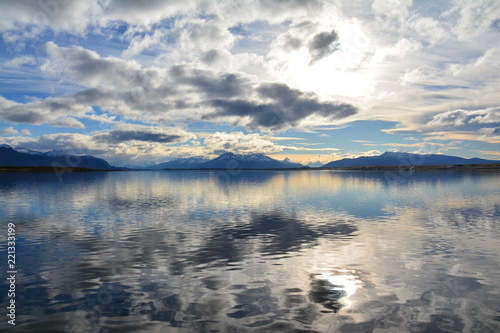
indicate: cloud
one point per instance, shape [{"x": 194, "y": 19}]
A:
[
  {"x": 491, "y": 133},
  {"x": 9, "y": 131},
  {"x": 208, "y": 83},
  {"x": 281, "y": 107},
  {"x": 146, "y": 12},
  {"x": 458, "y": 118},
  {"x": 322, "y": 44},
  {"x": 87, "y": 68},
  {"x": 127, "y": 132},
  {"x": 67, "y": 122},
  {"x": 392, "y": 9},
  {"x": 237, "y": 142},
  {"x": 487, "y": 116},
  {"x": 479, "y": 14},
  {"x": 459, "y": 124},
  {"x": 449, "y": 118},
  {"x": 141, "y": 43},
  {"x": 76, "y": 142},
  {"x": 419, "y": 144},
  {"x": 39, "y": 112},
  {"x": 21, "y": 61},
  {"x": 101, "y": 118},
  {"x": 429, "y": 30},
  {"x": 155, "y": 94},
  {"x": 73, "y": 16},
  {"x": 203, "y": 36},
  {"x": 489, "y": 152}
]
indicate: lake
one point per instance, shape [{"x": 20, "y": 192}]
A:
[{"x": 253, "y": 251}]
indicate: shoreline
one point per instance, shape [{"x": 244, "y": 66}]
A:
[{"x": 465, "y": 167}]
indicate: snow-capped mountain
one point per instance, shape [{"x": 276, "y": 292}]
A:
[
  {"x": 56, "y": 153},
  {"x": 181, "y": 163},
  {"x": 404, "y": 159},
  {"x": 316, "y": 164},
  {"x": 13, "y": 157},
  {"x": 249, "y": 161},
  {"x": 290, "y": 164}
]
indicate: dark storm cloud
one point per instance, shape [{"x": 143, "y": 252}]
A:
[
  {"x": 92, "y": 96},
  {"x": 121, "y": 136},
  {"x": 227, "y": 85},
  {"x": 322, "y": 44},
  {"x": 284, "y": 107},
  {"x": 25, "y": 116},
  {"x": 261, "y": 115},
  {"x": 125, "y": 133}
]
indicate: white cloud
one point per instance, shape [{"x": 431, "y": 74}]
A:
[
  {"x": 429, "y": 30},
  {"x": 459, "y": 118},
  {"x": 59, "y": 15},
  {"x": 12, "y": 131},
  {"x": 9, "y": 131},
  {"x": 202, "y": 36},
  {"x": 141, "y": 43},
  {"x": 21, "y": 61},
  {"x": 101, "y": 118},
  {"x": 392, "y": 9},
  {"x": 238, "y": 142},
  {"x": 147, "y": 12},
  {"x": 476, "y": 18}
]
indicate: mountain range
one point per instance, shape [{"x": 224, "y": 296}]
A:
[
  {"x": 56, "y": 158},
  {"x": 20, "y": 157},
  {"x": 250, "y": 161},
  {"x": 404, "y": 159},
  {"x": 229, "y": 161},
  {"x": 181, "y": 163}
]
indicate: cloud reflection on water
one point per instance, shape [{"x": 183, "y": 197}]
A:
[{"x": 296, "y": 250}]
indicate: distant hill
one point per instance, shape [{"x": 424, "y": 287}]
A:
[
  {"x": 404, "y": 159},
  {"x": 250, "y": 161},
  {"x": 181, "y": 163},
  {"x": 57, "y": 158}
]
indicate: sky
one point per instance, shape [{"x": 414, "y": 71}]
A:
[{"x": 142, "y": 82}]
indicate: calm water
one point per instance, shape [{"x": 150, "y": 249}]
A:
[{"x": 253, "y": 251}]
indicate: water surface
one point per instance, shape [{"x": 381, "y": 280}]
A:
[{"x": 254, "y": 251}]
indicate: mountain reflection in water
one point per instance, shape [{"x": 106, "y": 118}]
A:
[{"x": 256, "y": 251}]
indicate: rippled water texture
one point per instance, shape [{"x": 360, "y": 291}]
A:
[{"x": 254, "y": 251}]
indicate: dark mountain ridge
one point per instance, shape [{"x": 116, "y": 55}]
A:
[
  {"x": 10, "y": 157},
  {"x": 404, "y": 159}
]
